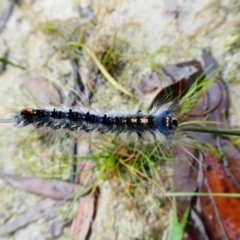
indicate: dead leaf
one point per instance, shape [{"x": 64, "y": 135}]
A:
[
  {"x": 185, "y": 177},
  {"x": 196, "y": 227},
  {"x": 149, "y": 83},
  {"x": 182, "y": 83},
  {"x": 217, "y": 215},
  {"x": 57, "y": 228},
  {"x": 84, "y": 218},
  {"x": 232, "y": 155},
  {"x": 31, "y": 215},
  {"x": 54, "y": 189},
  {"x": 85, "y": 171},
  {"x": 226, "y": 214}
]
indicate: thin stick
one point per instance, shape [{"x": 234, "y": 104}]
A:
[{"x": 232, "y": 132}]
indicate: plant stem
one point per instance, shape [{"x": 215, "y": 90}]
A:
[{"x": 232, "y": 132}]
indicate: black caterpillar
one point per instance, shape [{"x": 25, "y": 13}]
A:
[{"x": 159, "y": 121}]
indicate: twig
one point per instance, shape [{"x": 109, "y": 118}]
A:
[{"x": 232, "y": 132}]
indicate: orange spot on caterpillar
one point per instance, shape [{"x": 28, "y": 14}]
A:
[{"x": 26, "y": 111}]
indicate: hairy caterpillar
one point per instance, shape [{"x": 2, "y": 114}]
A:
[{"x": 157, "y": 121}]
